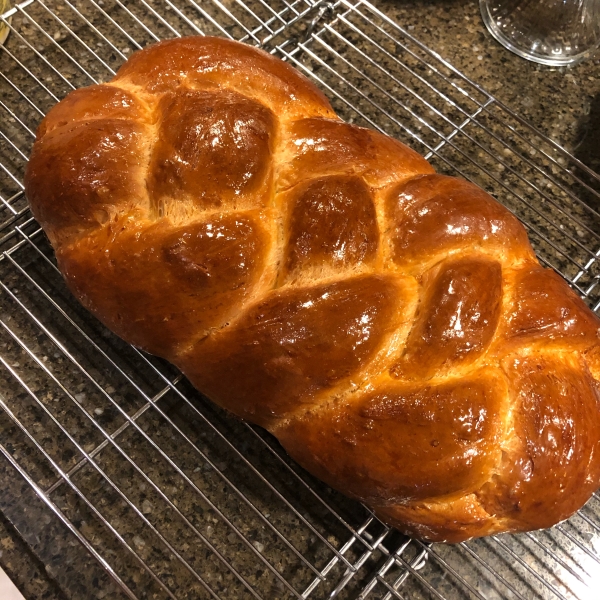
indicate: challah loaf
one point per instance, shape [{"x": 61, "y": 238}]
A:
[{"x": 389, "y": 325}]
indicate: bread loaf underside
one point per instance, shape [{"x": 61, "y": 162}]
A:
[{"x": 391, "y": 326}]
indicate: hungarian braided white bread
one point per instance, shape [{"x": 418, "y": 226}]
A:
[{"x": 391, "y": 326}]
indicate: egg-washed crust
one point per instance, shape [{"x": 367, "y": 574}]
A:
[{"x": 389, "y": 325}]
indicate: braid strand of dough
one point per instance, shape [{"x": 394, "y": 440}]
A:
[{"x": 389, "y": 325}]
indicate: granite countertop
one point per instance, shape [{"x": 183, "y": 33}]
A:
[{"x": 563, "y": 103}]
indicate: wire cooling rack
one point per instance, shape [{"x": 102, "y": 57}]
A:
[{"x": 170, "y": 497}]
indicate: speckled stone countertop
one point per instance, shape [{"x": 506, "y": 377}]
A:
[{"x": 563, "y": 103}]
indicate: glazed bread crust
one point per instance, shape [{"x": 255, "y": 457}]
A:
[{"x": 391, "y": 326}]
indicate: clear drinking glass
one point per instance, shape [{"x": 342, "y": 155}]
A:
[{"x": 551, "y": 32}]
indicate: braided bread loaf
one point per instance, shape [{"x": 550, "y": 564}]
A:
[{"x": 389, "y": 325}]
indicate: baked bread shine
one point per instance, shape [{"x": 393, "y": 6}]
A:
[{"x": 391, "y": 326}]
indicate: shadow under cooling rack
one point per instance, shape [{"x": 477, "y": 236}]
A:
[{"x": 171, "y": 497}]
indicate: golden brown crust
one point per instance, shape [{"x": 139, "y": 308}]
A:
[
  {"x": 209, "y": 63},
  {"x": 390, "y": 325},
  {"x": 213, "y": 150},
  {"x": 95, "y": 102},
  {"x": 161, "y": 287},
  {"x": 435, "y": 215},
  {"x": 457, "y": 317},
  {"x": 546, "y": 311},
  {"x": 331, "y": 227},
  {"x": 404, "y": 442},
  {"x": 82, "y": 175},
  {"x": 447, "y": 521},
  {"x": 316, "y": 147},
  {"x": 263, "y": 366},
  {"x": 552, "y": 464}
]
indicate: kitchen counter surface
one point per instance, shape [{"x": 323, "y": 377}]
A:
[{"x": 563, "y": 103}]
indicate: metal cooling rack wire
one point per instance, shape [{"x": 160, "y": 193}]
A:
[
  {"x": 434, "y": 151},
  {"x": 447, "y": 139},
  {"x": 403, "y": 33},
  {"x": 130, "y": 420},
  {"x": 471, "y": 118}
]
